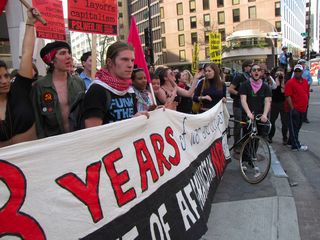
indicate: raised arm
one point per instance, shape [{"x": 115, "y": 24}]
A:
[
  {"x": 189, "y": 93},
  {"x": 25, "y": 69}
]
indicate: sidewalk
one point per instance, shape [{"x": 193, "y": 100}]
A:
[{"x": 265, "y": 211}]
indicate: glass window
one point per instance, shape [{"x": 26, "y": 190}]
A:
[
  {"x": 278, "y": 26},
  {"x": 161, "y": 12},
  {"x": 236, "y": 15},
  {"x": 194, "y": 38},
  {"x": 164, "y": 45},
  {"x": 205, "y": 4},
  {"x": 182, "y": 55},
  {"x": 206, "y": 37},
  {"x": 222, "y": 31},
  {"x": 180, "y": 24},
  {"x": 163, "y": 29},
  {"x": 221, "y": 18},
  {"x": 220, "y": 3},
  {"x": 206, "y": 20},
  {"x": 235, "y": 2},
  {"x": 277, "y": 9},
  {"x": 192, "y": 6},
  {"x": 179, "y": 9},
  {"x": 193, "y": 22},
  {"x": 252, "y": 12},
  {"x": 181, "y": 40}
]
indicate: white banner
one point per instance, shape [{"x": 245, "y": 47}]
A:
[{"x": 73, "y": 185}]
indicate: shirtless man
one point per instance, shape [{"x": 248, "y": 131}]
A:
[{"x": 54, "y": 94}]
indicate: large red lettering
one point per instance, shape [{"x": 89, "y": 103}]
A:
[
  {"x": 118, "y": 179},
  {"x": 13, "y": 222},
  {"x": 87, "y": 192},
  {"x": 158, "y": 146},
  {"x": 146, "y": 165},
  {"x": 218, "y": 159},
  {"x": 168, "y": 134}
]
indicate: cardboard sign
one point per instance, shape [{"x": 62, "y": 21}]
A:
[
  {"x": 93, "y": 16},
  {"x": 134, "y": 179},
  {"x": 52, "y": 12}
]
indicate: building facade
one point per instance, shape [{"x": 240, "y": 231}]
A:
[
  {"x": 187, "y": 21},
  {"x": 147, "y": 16}
]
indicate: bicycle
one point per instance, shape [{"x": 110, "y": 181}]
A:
[{"x": 255, "y": 155}]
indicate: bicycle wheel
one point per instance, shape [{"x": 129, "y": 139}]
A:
[{"x": 255, "y": 159}]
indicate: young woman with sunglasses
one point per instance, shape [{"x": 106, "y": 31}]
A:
[{"x": 16, "y": 112}]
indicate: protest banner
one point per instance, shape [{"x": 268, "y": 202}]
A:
[
  {"x": 93, "y": 16},
  {"x": 134, "y": 179},
  {"x": 52, "y": 12},
  {"x": 215, "y": 47}
]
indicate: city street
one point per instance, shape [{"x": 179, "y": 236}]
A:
[{"x": 283, "y": 206}]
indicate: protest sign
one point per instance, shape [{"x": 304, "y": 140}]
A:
[
  {"x": 93, "y": 16},
  {"x": 52, "y": 12},
  {"x": 215, "y": 47},
  {"x": 135, "y": 179}
]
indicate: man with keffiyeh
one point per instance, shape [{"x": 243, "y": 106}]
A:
[{"x": 113, "y": 81}]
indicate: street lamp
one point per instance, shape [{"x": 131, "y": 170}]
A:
[{"x": 272, "y": 36}]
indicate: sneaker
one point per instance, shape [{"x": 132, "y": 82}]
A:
[
  {"x": 257, "y": 172},
  {"x": 302, "y": 148},
  {"x": 307, "y": 120},
  {"x": 269, "y": 140}
]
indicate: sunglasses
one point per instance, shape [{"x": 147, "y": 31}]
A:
[
  {"x": 298, "y": 70},
  {"x": 255, "y": 69}
]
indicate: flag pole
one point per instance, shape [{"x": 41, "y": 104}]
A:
[
  {"x": 28, "y": 6},
  {"x": 94, "y": 56}
]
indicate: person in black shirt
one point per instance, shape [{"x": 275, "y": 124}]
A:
[
  {"x": 234, "y": 94},
  {"x": 17, "y": 122},
  {"x": 256, "y": 96},
  {"x": 277, "y": 107},
  {"x": 109, "y": 98}
]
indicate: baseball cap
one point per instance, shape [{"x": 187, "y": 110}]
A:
[
  {"x": 301, "y": 61},
  {"x": 298, "y": 67},
  {"x": 284, "y": 47}
]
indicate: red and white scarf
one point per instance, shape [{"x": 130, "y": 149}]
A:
[{"x": 116, "y": 85}]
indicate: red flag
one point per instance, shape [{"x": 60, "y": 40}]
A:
[
  {"x": 134, "y": 39},
  {"x": 3, "y": 4}
]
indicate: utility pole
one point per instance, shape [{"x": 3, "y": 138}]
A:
[
  {"x": 150, "y": 35},
  {"x": 308, "y": 31}
]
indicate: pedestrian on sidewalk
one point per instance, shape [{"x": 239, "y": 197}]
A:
[
  {"x": 306, "y": 75},
  {"x": 297, "y": 94},
  {"x": 85, "y": 75},
  {"x": 277, "y": 107}
]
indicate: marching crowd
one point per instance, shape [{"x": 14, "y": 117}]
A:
[{"x": 34, "y": 107}]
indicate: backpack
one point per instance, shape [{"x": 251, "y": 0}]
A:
[{"x": 76, "y": 111}]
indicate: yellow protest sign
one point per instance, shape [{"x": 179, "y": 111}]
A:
[
  {"x": 195, "y": 58},
  {"x": 215, "y": 47}
]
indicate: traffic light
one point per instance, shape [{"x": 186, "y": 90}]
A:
[
  {"x": 305, "y": 42},
  {"x": 313, "y": 54}
]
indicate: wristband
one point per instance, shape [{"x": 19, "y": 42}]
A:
[{"x": 30, "y": 24}]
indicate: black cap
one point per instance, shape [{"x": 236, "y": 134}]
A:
[{"x": 53, "y": 45}]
